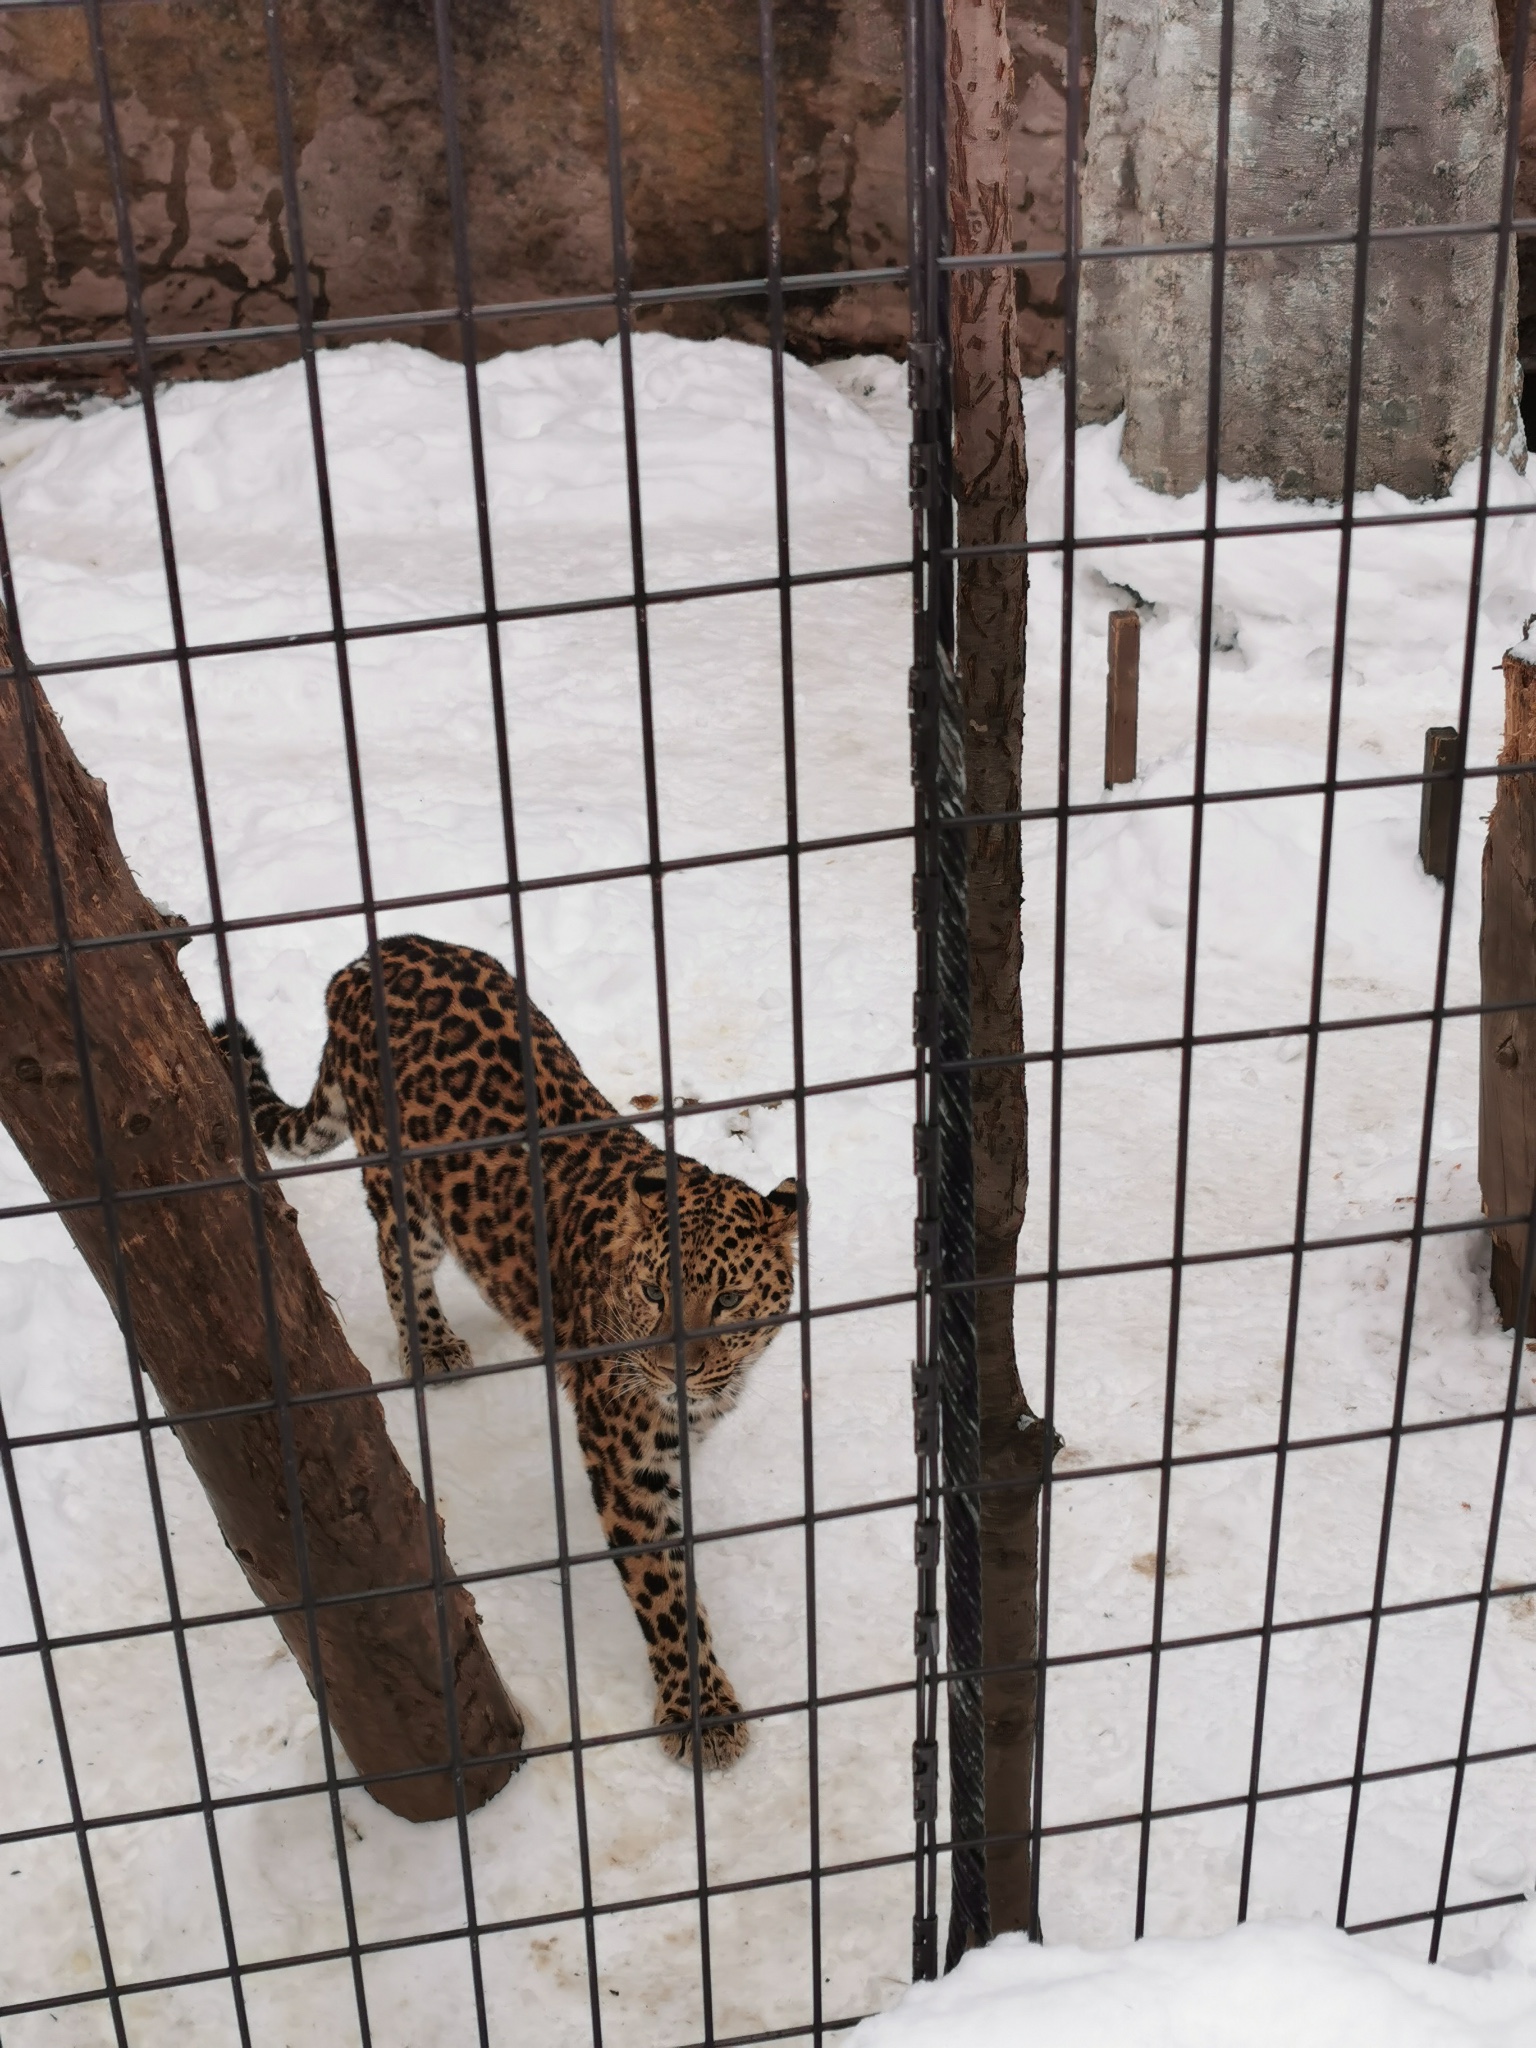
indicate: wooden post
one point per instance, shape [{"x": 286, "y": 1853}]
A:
[
  {"x": 187, "y": 1265},
  {"x": 1442, "y": 752},
  {"x": 1121, "y": 695},
  {"x": 989, "y": 486},
  {"x": 1506, "y": 1137}
]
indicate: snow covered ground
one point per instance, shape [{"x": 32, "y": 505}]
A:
[
  {"x": 1280, "y": 1986},
  {"x": 81, "y": 524},
  {"x": 1127, "y": 886}
]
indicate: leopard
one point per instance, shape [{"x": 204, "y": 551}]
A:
[{"x": 457, "y": 1077}]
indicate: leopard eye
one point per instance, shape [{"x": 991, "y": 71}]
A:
[
  {"x": 651, "y": 1291},
  {"x": 732, "y": 1298}
]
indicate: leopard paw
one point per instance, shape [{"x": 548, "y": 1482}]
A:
[
  {"x": 721, "y": 1741},
  {"x": 447, "y": 1354}
]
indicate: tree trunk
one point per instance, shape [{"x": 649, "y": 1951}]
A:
[
  {"x": 186, "y": 1266},
  {"x": 989, "y": 484},
  {"x": 1506, "y": 1145}
]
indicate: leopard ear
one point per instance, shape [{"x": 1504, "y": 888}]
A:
[
  {"x": 651, "y": 1181},
  {"x": 784, "y": 1201}
]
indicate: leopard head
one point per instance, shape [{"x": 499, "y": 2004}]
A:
[{"x": 737, "y": 1255}]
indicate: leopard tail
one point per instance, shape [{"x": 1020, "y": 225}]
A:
[{"x": 303, "y": 1133}]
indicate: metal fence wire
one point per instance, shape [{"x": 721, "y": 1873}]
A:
[{"x": 946, "y": 1858}]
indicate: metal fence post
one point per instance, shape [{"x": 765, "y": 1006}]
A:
[{"x": 946, "y": 1386}]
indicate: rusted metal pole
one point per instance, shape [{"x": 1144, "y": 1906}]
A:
[{"x": 153, "y": 1108}]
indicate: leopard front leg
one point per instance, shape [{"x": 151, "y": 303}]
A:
[
  {"x": 441, "y": 1350},
  {"x": 629, "y": 1441}
]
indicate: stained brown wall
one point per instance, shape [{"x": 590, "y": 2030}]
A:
[{"x": 191, "y": 83}]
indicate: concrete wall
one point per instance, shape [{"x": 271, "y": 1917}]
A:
[
  {"x": 1298, "y": 94},
  {"x": 192, "y": 86},
  {"x": 191, "y": 82},
  {"x": 1037, "y": 31}
]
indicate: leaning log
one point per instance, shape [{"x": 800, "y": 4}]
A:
[{"x": 182, "y": 1272}]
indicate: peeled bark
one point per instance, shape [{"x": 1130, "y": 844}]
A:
[
  {"x": 194, "y": 1296},
  {"x": 989, "y": 484}
]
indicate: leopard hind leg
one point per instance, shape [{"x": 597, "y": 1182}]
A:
[{"x": 441, "y": 1350}]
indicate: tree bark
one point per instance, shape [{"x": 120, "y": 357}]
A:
[
  {"x": 989, "y": 485},
  {"x": 1506, "y": 1147},
  {"x": 188, "y": 1266}
]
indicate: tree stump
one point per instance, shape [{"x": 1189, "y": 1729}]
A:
[
  {"x": 1506, "y": 1142},
  {"x": 181, "y": 1271}
]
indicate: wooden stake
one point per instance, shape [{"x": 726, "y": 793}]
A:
[
  {"x": 1442, "y": 749},
  {"x": 1506, "y": 1137},
  {"x": 1122, "y": 692},
  {"x": 186, "y": 1265}
]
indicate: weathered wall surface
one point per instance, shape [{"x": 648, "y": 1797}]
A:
[
  {"x": 1298, "y": 94},
  {"x": 1037, "y": 33},
  {"x": 1525, "y": 209},
  {"x": 191, "y": 82}
]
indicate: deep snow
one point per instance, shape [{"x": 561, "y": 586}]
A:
[
  {"x": 1264, "y": 1987},
  {"x": 81, "y": 524}
]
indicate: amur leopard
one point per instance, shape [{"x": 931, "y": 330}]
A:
[{"x": 458, "y": 1079}]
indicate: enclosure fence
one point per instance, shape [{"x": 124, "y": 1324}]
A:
[{"x": 947, "y": 1856}]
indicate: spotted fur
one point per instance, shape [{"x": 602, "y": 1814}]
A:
[{"x": 458, "y": 1079}]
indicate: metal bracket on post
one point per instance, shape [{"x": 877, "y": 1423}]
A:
[
  {"x": 925, "y": 1781},
  {"x": 925, "y": 1946},
  {"x": 925, "y": 1422},
  {"x": 922, "y": 468},
  {"x": 924, "y": 368},
  {"x": 925, "y": 1557}
]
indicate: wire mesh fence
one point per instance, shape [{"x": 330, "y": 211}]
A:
[{"x": 1259, "y": 1710}]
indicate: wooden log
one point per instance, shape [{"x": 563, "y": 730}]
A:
[
  {"x": 188, "y": 1264},
  {"x": 1442, "y": 752},
  {"x": 1121, "y": 697},
  {"x": 989, "y": 486},
  {"x": 1506, "y": 1138}
]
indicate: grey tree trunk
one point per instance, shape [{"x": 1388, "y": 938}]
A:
[
  {"x": 185, "y": 1265},
  {"x": 989, "y": 485},
  {"x": 1297, "y": 105}
]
